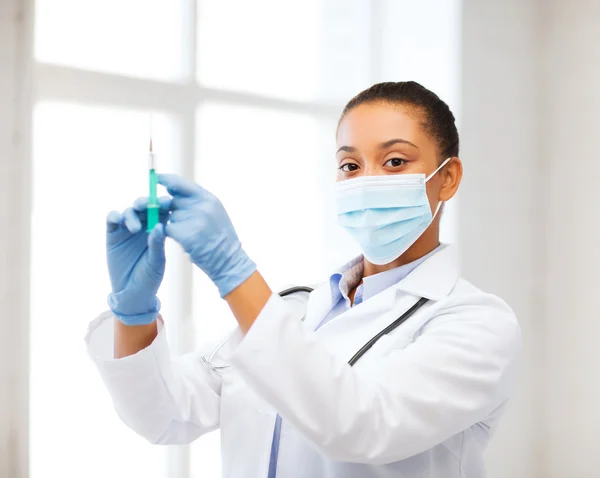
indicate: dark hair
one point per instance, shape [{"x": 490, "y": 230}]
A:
[{"x": 437, "y": 119}]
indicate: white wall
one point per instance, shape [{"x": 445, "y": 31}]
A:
[
  {"x": 529, "y": 223},
  {"x": 570, "y": 168},
  {"x": 15, "y": 45},
  {"x": 499, "y": 222}
]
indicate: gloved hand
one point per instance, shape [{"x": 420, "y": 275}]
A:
[
  {"x": 136, "y": 263},
  {"x": 201, "y": 225}
]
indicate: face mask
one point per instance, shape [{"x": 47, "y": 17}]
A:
[{"x": 385, "y": 214}]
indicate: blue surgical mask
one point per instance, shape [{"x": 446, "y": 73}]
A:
[{"x": 385, "y": 214}]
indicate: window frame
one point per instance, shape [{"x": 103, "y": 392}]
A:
[{"x": 182, "y": 99}]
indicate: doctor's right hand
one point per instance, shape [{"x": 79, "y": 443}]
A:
[{"x": 136, "y": 264}]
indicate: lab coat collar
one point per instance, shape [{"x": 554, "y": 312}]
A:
[{"x": 435, "y": 277}]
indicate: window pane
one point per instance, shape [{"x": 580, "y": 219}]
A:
[
  {"x": 312, "y": 49},
  {"x": 273, "y": 171},
  {"x": 271, "y": 182},
  {"x": 138, "y": 38},
  {"x": 429, "y": 55},
  {"x": 87, "y": 161}
]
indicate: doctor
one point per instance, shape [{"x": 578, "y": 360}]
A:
[{"x": 422, "y": 401}]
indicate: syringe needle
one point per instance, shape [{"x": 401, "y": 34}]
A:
[{"x": 153, "y": 207}]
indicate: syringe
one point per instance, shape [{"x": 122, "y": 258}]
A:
[{"x": 153, "y": 207}]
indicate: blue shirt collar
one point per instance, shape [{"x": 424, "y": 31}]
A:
[
  {"x": 345, "y": 279},
  {"x": 349, "y": 275}
]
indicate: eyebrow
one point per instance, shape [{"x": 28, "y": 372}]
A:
[
  {"x": 387, "y": 144},
  {"x": 392, "y": 142},
  {"x": 347, "y": 149}
]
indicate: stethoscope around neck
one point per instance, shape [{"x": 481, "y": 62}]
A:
[{"x": 355, "y": 358}]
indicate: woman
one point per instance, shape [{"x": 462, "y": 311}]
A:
[{"x": 422, "y": 401}]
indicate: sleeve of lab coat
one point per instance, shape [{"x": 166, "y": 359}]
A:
[
  {"x": 452, "y": 376},
  {"x": 165, "y": 400}
]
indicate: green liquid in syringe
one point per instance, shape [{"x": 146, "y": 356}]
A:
[{"x": 153, "y": 208}]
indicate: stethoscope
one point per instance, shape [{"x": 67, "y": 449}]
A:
[{"x": 363, "y": 350}]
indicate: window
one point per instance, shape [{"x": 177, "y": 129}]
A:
[
  {"x": 137, "y": 38},
  {"x": 246, "y": 104},
  {"x": 78, "y": 174},
  {"x": 309, "y": 50}
]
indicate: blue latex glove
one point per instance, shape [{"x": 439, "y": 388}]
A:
[
  {"x": 136, "y": 263},
  {"x": 201, "y": 225}
]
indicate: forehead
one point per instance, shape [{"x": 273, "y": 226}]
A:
[{"x": 375, "y": 123}]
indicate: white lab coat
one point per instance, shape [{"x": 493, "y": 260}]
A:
[{"x": 423, "y": 402}]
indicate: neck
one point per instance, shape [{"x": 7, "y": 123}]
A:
[{"x": 428, "y": 241}]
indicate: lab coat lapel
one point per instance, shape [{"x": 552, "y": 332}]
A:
[
  {"x": 348, "y": 332},
  {"x": 319, "y": 305}
]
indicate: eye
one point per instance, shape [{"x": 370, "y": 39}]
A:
[
  {"x": 348, "y": 167},
  {"x": 396, "y": 162}
]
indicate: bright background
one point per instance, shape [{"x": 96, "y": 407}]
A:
[{"x": 244, "y": 96}]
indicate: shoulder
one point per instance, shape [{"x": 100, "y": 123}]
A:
[
  {"x": 466, "y": 294},
  {"x": 478, "y": 315}
]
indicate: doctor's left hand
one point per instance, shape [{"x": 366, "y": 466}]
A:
[
  {"x": 136, "y": 263},
  {"x": 200, "y": 224}
]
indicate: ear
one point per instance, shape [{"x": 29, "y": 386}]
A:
[{"x": 451, "y": 175}]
